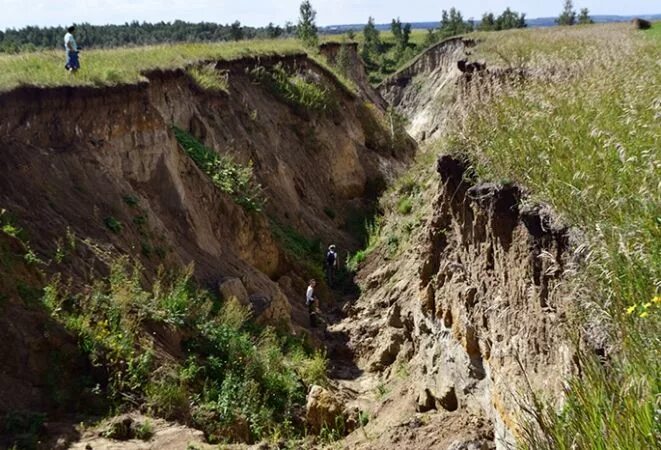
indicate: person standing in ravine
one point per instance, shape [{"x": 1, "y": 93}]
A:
[
  {"x": 310, "y": 300},
  {"x": 331, "y": 264},
  {"x": 71, "y": 47}
]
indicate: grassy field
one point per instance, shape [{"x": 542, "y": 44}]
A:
[
  {"x": 108, "y": 67},
  {"x": 125, "y": 65},
  {"x": 583, "y": 133}
]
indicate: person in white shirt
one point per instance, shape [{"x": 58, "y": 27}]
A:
[
  {"x": 73, "y": 64},
  {"x": 310, "y": 300}
]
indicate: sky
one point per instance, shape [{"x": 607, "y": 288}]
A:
[{"x": 20, "y": 13}]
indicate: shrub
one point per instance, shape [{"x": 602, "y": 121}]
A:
[
  {"x": 113, "y": 224},
  {"x": 405, "y": 206}
]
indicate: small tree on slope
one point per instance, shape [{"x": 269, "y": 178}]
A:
[{"x": 307, "y": 28}]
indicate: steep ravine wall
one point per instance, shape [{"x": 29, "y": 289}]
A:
[
  {"x": 73, "y": 158},
  {"x": 475, "y": 312},
  {"x": 421, "y": 91}
]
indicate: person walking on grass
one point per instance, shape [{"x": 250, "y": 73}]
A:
[
  {"x": 331, "y": 264},
  {"x": 310, "y": 300},
  {"x": 73, "y": 64}
]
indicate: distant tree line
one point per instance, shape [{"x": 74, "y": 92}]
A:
[
  {"x": 384, "y": 56},
  {"x": 136, "y": 33}
]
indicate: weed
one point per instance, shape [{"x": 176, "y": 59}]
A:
[
  {"x": 166, "y": 396},
  {"x": 113, "y": 224},
  {"x": 144, "y": 430},
  {"x": 330, "y": 433},
  {"x": 23, "y": 428},
  {"x": 405, "y": 206},
  {"x": 130, "y": 200},
  {"x": 236, "y": 375},
  {"x": 140, "y": 220},
  {"x": 382, "y": 390},
  {"x": 311, "y": 369},
  {"x": 31, "y": 256}
]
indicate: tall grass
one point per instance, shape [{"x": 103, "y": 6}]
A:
[
  {"x": 294, "y": 88},
  {"x": 583, "y": 133},
  {"x": 125, "y": 65}
]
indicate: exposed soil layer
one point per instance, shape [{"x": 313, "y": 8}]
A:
[{"x": 99, "y": 173}]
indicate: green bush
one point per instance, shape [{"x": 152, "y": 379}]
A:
[
  {"x": 229, "y": 176},
  {"x": 405, "y": 206},
  {"x": 113, "y": 224}
]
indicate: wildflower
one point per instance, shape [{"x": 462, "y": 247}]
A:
[
  {"x": 656, "y": 299},
  {"x": 644, "y": 314},
  {"x": 631, "y": 309}
]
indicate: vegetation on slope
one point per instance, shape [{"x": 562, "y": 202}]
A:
[
  {"x": 294, "y": 89},
  {"x": 226, "y": 174},
  {"x": 583, "y": 134},
  {"x": 236, "y": 381}
]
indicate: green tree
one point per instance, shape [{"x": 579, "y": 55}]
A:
[
  {"x": 351, "y": 34},
  {"x": 488, "y": 22},
  {"x": 510, "y": 19},
  {"x": 584, "y": 17},
  {"x": 371, "y": 42},
  {"x": 401, "y": 34},
  {"x": 307, "y": 28},
  {"x": 236, "y": 31},
  {"x": 430, "y": 38},
  {"x": 452, "y": 23},
  {"x": 568, "y": 15},
  {"x": 273, "y": 31}
]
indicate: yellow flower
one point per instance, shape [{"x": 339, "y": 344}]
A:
[
  {"x": 631, "y": 309},
  {"x": 656, "y": 299},
  {"x": 647, "y": 305},
  {"x": 644, "y": 314}
]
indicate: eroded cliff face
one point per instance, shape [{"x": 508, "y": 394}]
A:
[
  {"x": 473, "y": 314},
  {"x": 78, "y": 161},
  {"x": 422, "y": 91},
  {"x": 455, "y": 333}
]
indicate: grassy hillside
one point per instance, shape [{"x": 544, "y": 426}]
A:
[
  {"x": 125, "y": 65},
  {"x": 583, "y": 133}
]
